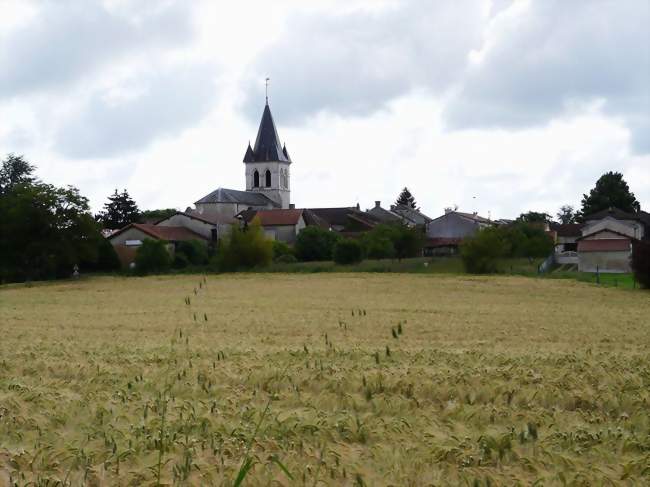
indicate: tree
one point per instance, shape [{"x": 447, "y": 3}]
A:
[
  {"x": 526, "y": 240},
  {"x": 154, "y": 216},
  {"x": 407, "y": 241},
  {"x": 195, "y": 252},
  {"x": 120, "y": 211},
  {"x": 534, "y": 217},
  {"x": 641, "y": 262},
  {"x": 244, "y": 248},
  {"x": 315, "y": 243},
  {"x": 281, "y": 249},
  {"x": 347, "y": 251},
  {"x": 405, "y": 198},
  {"x": 152, "y": 256},
  {"x": 611, "y": 191},
  {"x": 44, "y": 232},
  {"x": 15, "y": 171},
  {"x": 378, "y": 242},
  {"x": 566, "y": 215},
  {"x": 481, "y": 253}
]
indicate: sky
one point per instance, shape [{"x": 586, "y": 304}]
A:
[{"x": 499, "y": 106}]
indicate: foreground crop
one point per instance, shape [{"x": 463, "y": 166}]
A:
[{"x": 338, "y": 379}]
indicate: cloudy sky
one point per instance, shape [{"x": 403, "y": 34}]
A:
[{"x": 498, "y": 106}]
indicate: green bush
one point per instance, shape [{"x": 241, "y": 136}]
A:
[
  {"x": 107, "y": 259},
  {"x": 347, "y": 251},
  {"x": 286, "y": 259},
  {"x": 315, "y": 243},
  {"x": 152, "y": 256},
  {"x": 280, "y": 249},
  {"x": 378, "y": 242},
  {"x": 481, "y": 253},
  {"x": 527, "y": 240},
  {"x": 195, "y": 251},
  {"x": 181, "y": 261},
  {"x": 641, "y": 263},
  {"x": 244, "y": 248}
]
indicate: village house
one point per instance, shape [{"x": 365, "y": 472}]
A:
[
  {"x": 127, "y": 240},
  {"x": 445, "y": 233},
  {"x": 399, "y": 214}
]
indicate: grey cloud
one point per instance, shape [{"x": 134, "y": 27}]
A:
[
  {"x": 67, "y": 40},
  {"x": 354, "y": 64},
  {"x": 558, "y": 55},
  {"x": 170, "y": 102}
]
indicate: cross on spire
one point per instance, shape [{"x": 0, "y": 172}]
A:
[{"x": 266, "y": 83}]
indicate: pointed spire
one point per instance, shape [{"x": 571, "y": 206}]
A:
[
  {"x": 249, "y": 156},
  {"x": 267, "y": 144}
]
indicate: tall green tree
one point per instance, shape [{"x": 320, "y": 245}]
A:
[
  {"x": 534, "y": 217},
  {"x": 119, "y": 211},
  {"x": 405, "y": 198},
  {"x": 566, "y": 214},
  {"x": 44, "y": 230},
  {"x": 611, "y": 191},
  {"x": 15, "y": 170}
]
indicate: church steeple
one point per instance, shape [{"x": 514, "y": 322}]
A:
[{"x": 267, "y": 146}]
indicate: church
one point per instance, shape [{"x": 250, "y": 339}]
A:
[
  {"x": 267, "y": 171},
  {"x": 266, "y": 198}
]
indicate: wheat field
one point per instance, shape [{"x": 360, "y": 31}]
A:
[{"x": 337, "y": 379}]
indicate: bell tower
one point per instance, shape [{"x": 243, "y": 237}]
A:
[{"x": 267, "y": 163}]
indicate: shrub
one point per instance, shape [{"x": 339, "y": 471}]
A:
[
  {"x": 378, "y": 242},
  {"x": 526, "y": 240},
  {"x": 407, "y": 241},
  {"x": 281, "y": 249},
  {"x": 286, "y": 259},
  {"x": 480, "y": 253},
  {"x": 315, "y": 243},
  {"x": 641, "y": 263},
  {"x": 347, "y": 251},
  {"x": 244, "y": 248},
  {"x": 180, "y": 260},
  {"x": 195, "y": 251},
  {"x": 152, "y": 256}
]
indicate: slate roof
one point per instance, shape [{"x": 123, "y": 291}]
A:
[
  {"x": 267, "y": 144},
  {"x": 614, "y": 213},
  {"x": 341, "y": 216},
  {"x": 415, "y": 216},
  {"x": 470, "y": 216},
  {"x": 384, "y": 214},
  {"x": 224, "y": 195},
  {"x": 168, "y": 234},
  {"x": 192, "y": 214}
]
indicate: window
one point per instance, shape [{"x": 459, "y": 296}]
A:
[
  {"x": 256, "y": 179},
  {"x": 268, "y": 178}
]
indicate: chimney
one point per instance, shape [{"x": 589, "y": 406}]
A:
[
  {"x": 292, "y": 206},
  {"x": 448, "y": 210},
  {"x": 377, "y": 204}
]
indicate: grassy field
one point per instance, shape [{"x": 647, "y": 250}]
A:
[{"x": 324, "y": 379}]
